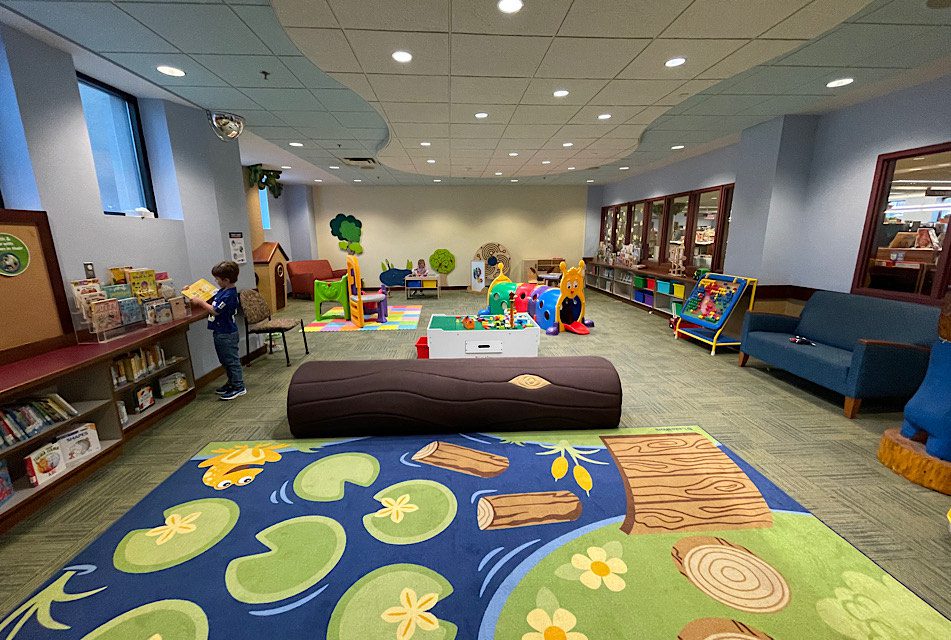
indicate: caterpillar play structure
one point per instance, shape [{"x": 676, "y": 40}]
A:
[{"x": 555, "y": 309}]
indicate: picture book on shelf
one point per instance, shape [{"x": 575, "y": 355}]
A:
[
  {"x": 105, "y": 315},
  {"x": 44, "y": 464},
  {"x": 123, "y": 412},
  {"x": 80, "y": 287},
  {"x": 172, "y": 384},
  {"x": 163, "y": 313},
  {"x": 81, "y": 442},
  {"x": 130, "y": 311},
  {"x": 179, "y": 307},
  {"x": 144, "y": 398},
  {"x": 86, "y": 300},
  {"x": 118, "y": 274},
  {"x": 117, "y": 291},
  {"x": 142, "y": 282},
  {"x": 6, "y": 484},
  {"x": 202, "y": 289},
  {"x": 166, "y": 288}
]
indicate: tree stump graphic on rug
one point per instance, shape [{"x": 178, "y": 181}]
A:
[
  {"x": 731, "y": 574},
  {"x": 683, "y": 482},
  {"x": 720, "y": 629},
  {"x": 462, "y": 459},
  {"x": 527, "y": 509}
]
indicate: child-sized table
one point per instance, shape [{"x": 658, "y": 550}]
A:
[
  {"x": 448, "y": 338},
  {"x": 418, "y": 284}
]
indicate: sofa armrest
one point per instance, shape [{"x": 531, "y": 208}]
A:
[
  {"x": 339, "y": 273},
  {"x": 887, "y": 369},
  {"x": 772, "y": 322}
]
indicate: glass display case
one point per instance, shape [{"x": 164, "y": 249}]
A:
[
  {"x": 620, "y": 227},
  {"x": 676, "y": 223},
  {"x": 655, "y": 219},
  {"x": 705, "y": 229}
]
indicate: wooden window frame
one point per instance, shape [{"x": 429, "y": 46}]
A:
[{"x": 882, "y": 179}]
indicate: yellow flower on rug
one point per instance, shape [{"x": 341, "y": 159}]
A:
[
  {"x": 174, "y": 525},
  {"x": 395, "y": 510},
  {"x": 600, "y": 566},
  {"x": 558, "y": 626},
  {"x": 413, "y": 612}
]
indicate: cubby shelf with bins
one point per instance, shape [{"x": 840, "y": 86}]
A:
[
  {"x": 649, "y": 288},
  {"x": 81, "y": 374}
]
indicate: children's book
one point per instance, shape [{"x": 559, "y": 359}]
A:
[
  {"x": 83, "y": 287},
  {"x": 105, "y": 315},
  {"x": 202, "y": 289},
  {"x": 44, "y": 464},
  {"x": 130, "y": 311},
  {"x": 161, "y": 275},
  {"x": 118, "y": 274},
  {"x": 163, "y": 313},
  {"x": 85, "y": 303},
  {"x": 80, "y": 443},
  {"x": 123, "y": 412},
  {"x": 117, "y": 291},
  {"x": 173, "y": 384},
  {"x": 166, "y": 288},
  {"x": 6, "y": 484},
  {"x": 144, "y": 398},
  {"x": 150, "y": 310},
  {"x": 179, "y": 307},
  {"x": 142, "y": 282}
]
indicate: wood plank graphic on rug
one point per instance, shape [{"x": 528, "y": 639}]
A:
[
  {"x": 720, "y": 629},
  {"x": 462, "y": 459},
  {"x": 683, "y": 482},
  {"x": 527, "y": 509}
]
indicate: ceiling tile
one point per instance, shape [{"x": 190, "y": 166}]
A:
[
  {"x": 417, "y": 112},
  {"x": 144, "y": 65},
  {"x": 781, "y": 105},
  {"x": 635, "y": 92},
  {"x": 589, "y": 57},
  {"x": 405, "y": 15},
  {"x": 700, "y": 54},
  {"x": 755, "y": 53},
  {"x": 507, "y": 56},
  {"x": 374, "y": 51},
  {"x": 465, "y": 113},
  {"x": 457, "y": 144},
  {"x": 648, "y": 115},
  {"x": 726, "y": 105},
  {"x": 774, "y": 80},
  {"x": 327, "y": 48},
  {"x": 299, "y": 119},
  {"x": 731, "y": 18},
  {"x": 628, "y": 131},
  {"x": 492, "y": 90},
  {"x": 341, "y": 100},
  {"x": 476, "y": 130},
  {"x": 614, "y": 144},
  {"x": 570, "y": 132},
  {"x": 308, "y": 73},
  {"x": 531, "y": 130},
  {"x": 874, "y": 45},
  {"x": 224, "y": 98},
  {"x": 97, "y": 26},
  {"x": 396, "y": 88},
  {"x": 288, "y": 99},
  {"x": 261, "y": 118},
  {"x": 263, "y": 22},
  {"x": 543, "y": 114},
  {"x": 277, "y": 133},
  {"x": 304, "y": 13},
  {"x": 358, "y": 83},
  {"x": 521, "y": 145},
  {"x": 904, "y": 12},
  {"x": 589, "y": 115},
  {"x": 541, "y": 19},
  {"x": 817, "y": 17},
  {"x": 420, "y": 131},
  {"x": 197, "y": 28},
  {"x": 579, "y": 144},
  {"x": 245, "y": 71},
  {"x": 706, "y": 123},
  {"x": 580, "y": 91},
  {"x": 664, "y": 139},
  {"x": 360, "y": 121},
  {"x": 684, "y": 91},
  {"x": 621, "y": 18}
]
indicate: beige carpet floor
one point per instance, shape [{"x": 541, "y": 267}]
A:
[{"x": 792, "y": 431}]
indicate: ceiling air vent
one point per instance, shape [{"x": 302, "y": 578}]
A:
[{"x": 361, "y": 163}]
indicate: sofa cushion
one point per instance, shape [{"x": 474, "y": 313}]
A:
[
  {"x": 823, "y": 364},
  {"x": 842, "y": 319}
]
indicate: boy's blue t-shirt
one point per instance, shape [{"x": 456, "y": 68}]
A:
[{"x": 225, "y": 303}]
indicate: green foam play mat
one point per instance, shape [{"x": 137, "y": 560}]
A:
[{"x": 573, "y": 535}]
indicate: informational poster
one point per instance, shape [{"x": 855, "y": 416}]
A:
[
  {"x": 14, "y": 255},
  {"x": 477, "y": 275},
  {"x": 238, "y": 254}
]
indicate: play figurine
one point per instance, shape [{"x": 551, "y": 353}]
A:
[{"x": 468, "y": 323}]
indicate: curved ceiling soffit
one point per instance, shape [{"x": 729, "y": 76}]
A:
[{"x": 782, "y": 76}]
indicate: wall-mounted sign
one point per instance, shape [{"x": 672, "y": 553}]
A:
[
  {"x": 14, "y": 255},
  {"x": 237, "y": 247}
]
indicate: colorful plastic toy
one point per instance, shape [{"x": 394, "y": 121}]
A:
[
  {"x": 929, "y": 410},
  {"x": 523, "y": 294},
  {"x": 359, "y": 302},
  {"x": 706, "y": 313},
  {"x": 335, "y": 291}
]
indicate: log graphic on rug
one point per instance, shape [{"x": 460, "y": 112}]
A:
[
  {"x": 720, "y": 629},
  {"x": 683, "y": 482},
  {"x": 527, "y": 509},
  {"x": 462, "y": 459},
  {"x": 731, "y": 574}
]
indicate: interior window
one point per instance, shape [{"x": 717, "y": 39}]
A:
[
  {"x": 705, "y": 228},
  {"x": 653, "y": 230},
  {"x": 620, "y": 227},
  {"x": 607, "y": 231},
  {"x": 637, "y": 227},
  {"x": 677, "y": 225}
]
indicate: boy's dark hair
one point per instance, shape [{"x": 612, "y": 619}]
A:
[{"x": 226, "y": 270}]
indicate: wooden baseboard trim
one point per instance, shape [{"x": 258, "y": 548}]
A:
[{"x": 210, "y": 377}]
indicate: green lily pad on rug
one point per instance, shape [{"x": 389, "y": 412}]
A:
[
  {"x": 324, "y": 479},
  {"x": 302, "y": 551},
  {"x": 189, "y": 529},
  {"x": 359, "y": 614},
  {"x": 411, "y": 512},
  {"x": 178, "y": 619}
]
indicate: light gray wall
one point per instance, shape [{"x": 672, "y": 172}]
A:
[{"x": 301, "y": 219}]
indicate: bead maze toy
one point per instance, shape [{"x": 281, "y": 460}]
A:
[{"x": 708, "y": 313}]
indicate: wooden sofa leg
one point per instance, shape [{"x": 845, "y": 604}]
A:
[
  {"x": 744, "y": 358},
  {"x": 852, "y": 407}
]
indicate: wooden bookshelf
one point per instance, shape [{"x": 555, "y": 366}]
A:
[
  {"x": 651, "y": 289},
  {"x": 81, "y": 374}
]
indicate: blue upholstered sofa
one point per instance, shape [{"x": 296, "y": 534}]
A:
[{"x": 865, "y": 347}]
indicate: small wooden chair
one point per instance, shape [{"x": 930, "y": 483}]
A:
[
  {"x": 257, "y": 319},
  {"x": 361, "y": 302}
]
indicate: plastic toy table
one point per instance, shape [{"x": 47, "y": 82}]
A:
[
  {"x": 448, "y": 338},
  {"x": 418, "y": 284}
]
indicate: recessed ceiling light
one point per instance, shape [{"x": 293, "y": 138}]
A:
[
  {"x": 510, "y": 6},
  {"x": 430, "y": 161},
  {"x": 175, "y": 72},
  {"x": 589, "y": 180},
  {"x": 513, "y": 153},
  {"x": 498, "y": 173},
  {"x": 676, "y": 147},
  {"x": 514, "y": 180},
  {"x": 604, "y": 116},
  {"x": 285, "y": 166},
  {"x": 546, "y": 161},
  {"x": 425, "y": 144},
  {"x": 296, "y": 144},
  {"x": 567, "y": 144},
  {"x": 840, "y": 82},
  {"x": 333, "y": 166},
  {"x": 481, "y": 115},
  {"x": 571, "y": 168},
  {"x": 402, "y": 56},
  {"x": 623, "y": 168},
  {"x": 675, "y": 62},
  {"x": 436, "y": 180},
  {"x": 560, "y": 93},
  {"x": 357, "y": 180},
  {"x": 318, "y": 180}
]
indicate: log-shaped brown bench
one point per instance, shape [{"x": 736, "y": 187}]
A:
[{"x": 391, "y": 397}]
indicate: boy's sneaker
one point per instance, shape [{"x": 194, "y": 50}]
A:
[
  {"x": 223, "y": 389},
  {"x": 231, "y": 394}
]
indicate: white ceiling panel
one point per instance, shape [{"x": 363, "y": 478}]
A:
[
  {"x": 700, "y": 55},
  {"x": 465, "y": 113},
  {"x": 261, "y": 118},
  {"x": 731, "y": 18},
  {"x": 420, "y": 131},
  {"x": 359, "y": 121},
  {"x": 488, "y": 143},
  {"x": 779, "y": 105},
  {"x": 506, "y": 56},
  {"x": 198, "y": 28},
  {"x": 341, "y": 100},
  {"x": 398, "y": 15},
  {"x": 621, "y": 18},
  {"x": 224, "y": 98},
  {"x": 775, "y": 80},
  {"x": 819, "y": 16},
  {"x": 531, "y": 130},
  {"x": 629, "y": 131},
  {"x": 327, "y": 48},
  {"x": 589, "y": 57},
  {"x": 357, "y": 82},
  {"x": 417, "y": 112},
  {"x": 538, "y": 19},
  {"x": 304, "y": 13},
  {"x": 476, "y": 130},
  {"x": 309, "y": 75},
  {"x": 570, "y": 132},
  {"x": 278, "y": 133},
  {"x": 684, "y": 91},
  {"x": 635, "y": 92},
  {"x": 299, "y": 119},
  {"x": 542, "y": 114},
  {"x": 648, "y": 115},
  {"x": 144, "y": 65},
  {"x": 394, "y": 88},
  {"x": 262, "y": 21},
  {"x": 904, "y": 12},
  {"x": 521, "y": 145},
  {"x": 245, "y": 71},
  {"x": 725, "y": 105},
  {"x": 374, "y": 51},
  {"x": 490, "y": 90},
  {"x": 589, "y": 115},
  {"x": 288, "y": 99},
  {"x": 614, "y": 144},
  {"x": 874, "y": 45},
  {"x": 579, "y": 143},
  {"x": 755, "y": 53},
  {"x": 580, "y": 91}
]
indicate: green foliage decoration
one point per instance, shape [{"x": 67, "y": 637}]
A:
[
  {"x": 263, "y": 178},
  {"x": 442, "y": 261},
  {"x": 347, "y": 229}
]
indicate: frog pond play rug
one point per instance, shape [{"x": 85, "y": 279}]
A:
[
  {"x": 633, "y": 533},
  {"x": 398, "y": 317}
]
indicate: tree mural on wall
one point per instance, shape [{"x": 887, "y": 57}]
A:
[{"x": 347, "y": 229}]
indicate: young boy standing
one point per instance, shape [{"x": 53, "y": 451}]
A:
[{"x": 222, "y": 306}]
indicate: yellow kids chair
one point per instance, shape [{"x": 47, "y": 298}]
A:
[{"x": 360, "y": 302}]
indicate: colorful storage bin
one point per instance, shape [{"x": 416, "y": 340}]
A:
[
  {"x": 639, "y": 296},
  {"x": 649, "y": 299},
  {"x": 664, "y": 287},
  {"x": 679, "y": 291},
  {"x": 651, "y": 284},
  {"x": 640, "y": 282},
  {"x": 676, "y": 307}
]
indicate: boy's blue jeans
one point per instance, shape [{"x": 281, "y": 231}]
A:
[{"x": 226, "y": 346}]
